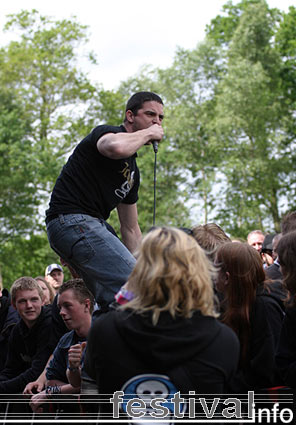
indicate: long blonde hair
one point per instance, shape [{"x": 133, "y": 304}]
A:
[{"x": 172, "y": 273}]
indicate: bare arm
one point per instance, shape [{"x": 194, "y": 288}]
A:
[
  {"x": 38, "y": 399},
  {"x": 124, "y": 145},
  {"x": 74, "y": 358},
  {"x": 129, "y": 227}
]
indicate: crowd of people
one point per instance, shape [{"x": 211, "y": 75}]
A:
[
  {"x": 178, "y": 310},
  {"x": 197, "y": 308}
]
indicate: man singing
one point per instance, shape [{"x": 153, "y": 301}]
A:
[{"x": 99, "y": 176}]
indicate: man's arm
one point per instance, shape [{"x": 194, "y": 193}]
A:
[
  {"x": 61, "y": 387},
  {"x": 124, "y": 145},
  {"x": 17, "y": 383},
  {"x": 17, "y": 373},
  {"x": 40, "y": 382},
  {"x": 129, "y": 227},
  {"x": 75, "y": 354}
]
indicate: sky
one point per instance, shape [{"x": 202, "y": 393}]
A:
[{"x": 126, "y": 35}]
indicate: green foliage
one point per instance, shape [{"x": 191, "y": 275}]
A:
[
  {"x": 42, "y": 103},
  {"x": 42, "y": 68},
  {"x": 170, "y": 209},
  {"x": 221, "y": 29},
  {"x": 18, "y": 201},
  {"x": 26, "y": 257},
  {"x": 228, "y": 154},
  {"x": 285, "y": 39},
  {"x": 189, "y": 86},
  {"x": 250, "y": 116}
]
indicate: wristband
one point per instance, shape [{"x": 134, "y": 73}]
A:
[
  {"x": 123, "y": 296},
  {"x": 73, "y": 369},
  {"x": 52, "y": 390}
]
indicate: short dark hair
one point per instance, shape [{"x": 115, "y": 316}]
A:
[
  {"x": 136, "y": 101},
  {"x": 79, "y": 288}
]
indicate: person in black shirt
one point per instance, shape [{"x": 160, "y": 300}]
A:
[
  {"x": 168, "y": 336},
  {"x": 28, "y": 348},
  {"x": 99, "y": 176},
  {"x": 286, "y": 354},
  {"x": 8, "y": 318},
  {"x": 254, "y": 308}
]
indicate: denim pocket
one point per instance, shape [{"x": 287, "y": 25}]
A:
[
  {"x": 67, "y": 236},
  {"x": 81, "y": 250}
]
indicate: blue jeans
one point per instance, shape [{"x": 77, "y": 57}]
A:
[{"x": 97, "y": 255}]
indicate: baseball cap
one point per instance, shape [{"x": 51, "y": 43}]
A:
[{"x": 52, "y": 267}]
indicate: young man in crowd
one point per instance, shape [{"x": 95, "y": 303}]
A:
[
  {"x": 55, "y": 276},
  {"x": 28, "y": 349},
  {"x": 76, "y": 304}
]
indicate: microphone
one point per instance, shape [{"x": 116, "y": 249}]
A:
[{"x": 155, "y": 146}]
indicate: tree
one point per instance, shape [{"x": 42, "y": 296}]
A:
[
  {"x": 189, "y": 86},
  {"x": 25, "y": 256},
  {"x": 42, "y": 103},
  {"x": 285, "y": 43},
  {"x": 18, "y": 201},
  {"x": 250, "y": 114},
  {"x": 221, "y": 29},
  {"x": 42, "y": 68}
]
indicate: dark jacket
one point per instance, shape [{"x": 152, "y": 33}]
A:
[
  {"x": 28, "y": 353},
  {"x": 198, "y": 354},
  {"x": 286, "y": 354},
  {"x": 8, "y": 318},
  {"x": 259, "y": 370},
  {"x": 56, "y": 370},
  {"x": 274, "y": 272}
]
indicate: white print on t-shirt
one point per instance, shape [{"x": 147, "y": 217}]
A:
[{"x": 128, "y": 184}]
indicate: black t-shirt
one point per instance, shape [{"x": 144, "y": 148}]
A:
[{"x": 93, "y": 184}]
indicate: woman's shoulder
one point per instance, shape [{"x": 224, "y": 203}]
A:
[
  {"x": 109, "y": 318},
  {"x": 272, "y": 293},
  {"x": 226, "y": 333}
]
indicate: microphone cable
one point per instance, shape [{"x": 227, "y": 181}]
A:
[{"x": 155, "y": 149}]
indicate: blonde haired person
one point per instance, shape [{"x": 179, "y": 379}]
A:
[
  {"x": 169, "y": 329},
  {"x": 28, "y": 346},
  {"x": 48, "y": 290},
  {"x": 172, "y": 275}
]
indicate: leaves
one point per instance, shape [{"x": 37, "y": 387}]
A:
[{"x": 229, "y": 149}]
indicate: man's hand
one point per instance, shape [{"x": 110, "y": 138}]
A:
[
  {"x": 37, "y": 400},
  {"x": 75, "y": 354},
  {"x": 124, "y": 145},
  {"x": 34, "y": 387},
  {"x": 155, "y": 132},
  {"x": 53, "y": 283}
]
